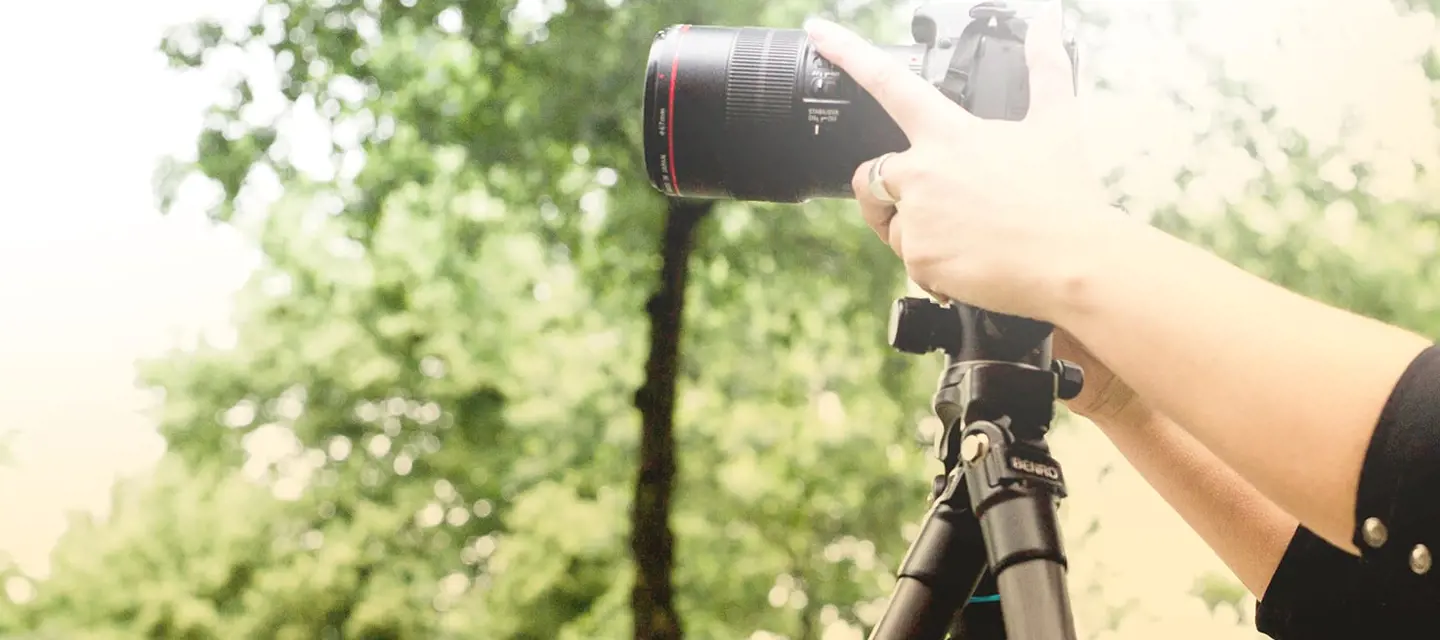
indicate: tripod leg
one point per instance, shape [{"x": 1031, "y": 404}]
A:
[
  {"x": 939, "y": 573},
  {"x": 1014, "y": 488},
  {"x": 1042, "y": 609},
  {"x": 996, "y": 402},
  {"x": 980, "y": 618}
]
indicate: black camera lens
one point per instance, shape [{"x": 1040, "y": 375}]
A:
[{"x": 756, "y": 114}]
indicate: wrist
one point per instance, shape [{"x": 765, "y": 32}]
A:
[
  {"x": 1135, "y": 415},
  {"x": 1128, "y": 424},
  {"x": 1123, "y": 410}
]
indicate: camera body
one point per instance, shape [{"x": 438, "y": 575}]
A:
[
  {"x": 974, "y": 30},
  {"x": 757, "y": 114}
]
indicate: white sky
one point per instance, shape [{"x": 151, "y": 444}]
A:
[
  {"x": 92, "y": 278},
  {"x": 90, "y": 275}
]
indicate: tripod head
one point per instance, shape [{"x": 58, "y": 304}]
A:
[
  {"x": 992, "y": 525},
  {"x": 971, "y": 337}
]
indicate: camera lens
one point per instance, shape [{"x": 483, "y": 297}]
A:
[{"x": 756, "y": 114}]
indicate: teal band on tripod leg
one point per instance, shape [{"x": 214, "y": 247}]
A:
[{"x": 983, "y": 599}]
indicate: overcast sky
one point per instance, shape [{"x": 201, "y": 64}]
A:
[{"x": 92, "y": 278}]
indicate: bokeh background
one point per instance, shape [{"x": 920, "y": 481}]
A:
[{"x": 325, "y": 318}]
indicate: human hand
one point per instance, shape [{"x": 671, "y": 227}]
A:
[
  {"x": 1104, "y": 399},
  {"x": 992, "y": 213}
]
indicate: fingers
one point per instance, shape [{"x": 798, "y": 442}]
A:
[
  {"x": 895, "y": 232},
  {"x": 896, "y": 170},
  {"x": 1052, "y": 80},
  {"x": 909, "y": 99},
  {"x": 877, "y": 213},
  {"x": 939, "y": 297}
]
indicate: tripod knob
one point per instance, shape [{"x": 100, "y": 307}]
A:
[
  {"x": 920, "y": 325},
  {"x": 1072, "y": 379}
]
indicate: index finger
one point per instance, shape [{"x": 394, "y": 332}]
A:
[{"x": 909, "y": 99}]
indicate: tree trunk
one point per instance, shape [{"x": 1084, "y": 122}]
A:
[{"x": 651, "y": 542}]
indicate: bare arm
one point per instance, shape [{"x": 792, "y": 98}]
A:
[
  {"x": 1245, "y": 529},
  {"x": 1285, "y": 390}
]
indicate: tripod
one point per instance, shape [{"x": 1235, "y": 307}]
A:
[{"x": 990, "y": 546}]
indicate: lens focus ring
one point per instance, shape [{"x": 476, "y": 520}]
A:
[{"x": 761, "y": 83}]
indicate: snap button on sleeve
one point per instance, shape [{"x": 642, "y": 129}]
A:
[
  {"x": 1420, "y": 559},
  {"x": 1375, "y": 532}
]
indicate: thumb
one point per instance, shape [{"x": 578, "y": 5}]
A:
[{"x": 1052, "y": 75}]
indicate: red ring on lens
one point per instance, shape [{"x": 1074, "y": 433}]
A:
[{"x": 670, "y": 124}]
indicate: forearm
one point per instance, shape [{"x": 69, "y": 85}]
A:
[
  {"x": 1284, "y": 390},
  {"x": 1247, "y": 531}
]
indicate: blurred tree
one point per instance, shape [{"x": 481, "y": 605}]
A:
[
  {"x": 12, "y": 606},
  {"x": 1320, "y": 217},
  {"x": 436, "y": 366},
  {"x": 174, "y": 559},
  {"x": 651, "y": 542}
]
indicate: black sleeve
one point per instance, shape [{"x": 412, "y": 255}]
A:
[
  {"x": 1319, "y": 591},
  {"x": 1397, "y": 511}
]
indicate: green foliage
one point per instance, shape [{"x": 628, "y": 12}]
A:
[
  {"x": 425, "y": 428},
  {"x": 1339, "y": 243},
  {"x": 1317, "y": 219},
  {"x": 194, "y": 538},
  {"x": 1219, "y": 591}
]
